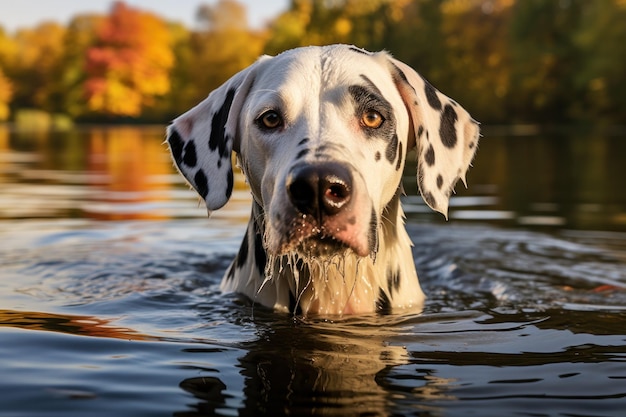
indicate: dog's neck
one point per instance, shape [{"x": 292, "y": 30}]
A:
[{"x": 342, "y": 284}]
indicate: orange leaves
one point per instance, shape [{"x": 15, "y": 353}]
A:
[
  {"x": 6, "y": 91},
  {"x": 130, "y": 63}
]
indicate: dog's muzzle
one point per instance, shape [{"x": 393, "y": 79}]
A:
[
  {"x": 321, "y": 190},
  {"x": 323, "y": 213}
]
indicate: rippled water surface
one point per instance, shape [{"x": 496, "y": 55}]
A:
[{"x": 109, "y": 299}]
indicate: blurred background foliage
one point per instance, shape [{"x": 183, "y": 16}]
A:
[{"x": 507, "y": 61}]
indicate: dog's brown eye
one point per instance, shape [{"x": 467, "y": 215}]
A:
[
  {"x": 270, "y": 120},
  {"x": 372, "y": 119}
]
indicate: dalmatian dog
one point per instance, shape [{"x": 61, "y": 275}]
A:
[{"x": 321, "y": 135}]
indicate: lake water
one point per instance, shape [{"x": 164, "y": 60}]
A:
[{"x": 109, "y": 300}]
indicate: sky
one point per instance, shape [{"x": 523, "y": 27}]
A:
[{"x": 28, "y": 13}]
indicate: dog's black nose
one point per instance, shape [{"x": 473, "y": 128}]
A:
[{"x": 321, "y": 189}]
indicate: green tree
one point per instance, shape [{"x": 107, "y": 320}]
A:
[
  {"x": 601, "y": 72},
  {"x": 544, "y": 58},
  {"x": 476, "y": 70}
]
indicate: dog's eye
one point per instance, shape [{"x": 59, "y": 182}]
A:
[
  {"x": 270, "y": 120},
  {"x": 372, "y": 119}
]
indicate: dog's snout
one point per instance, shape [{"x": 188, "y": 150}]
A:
[{"x": 319, "y": 190}]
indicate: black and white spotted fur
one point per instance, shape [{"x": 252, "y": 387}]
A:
[{"x": 321, "y": 135}]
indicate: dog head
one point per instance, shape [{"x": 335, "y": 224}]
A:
[{"x": 321, "y": 135}]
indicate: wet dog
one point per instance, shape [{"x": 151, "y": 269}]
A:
[{"x": 321, "y": 135}]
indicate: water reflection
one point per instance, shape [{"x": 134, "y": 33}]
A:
[
  {"x": 556, "y": 179},
  {"x": 67, "y": 323},
  {"x": 515, "y": 320},
  {"x": 314, "y": 368},
  {"x": 135, "y": 171},
  {"x": 563, "y": 179}
]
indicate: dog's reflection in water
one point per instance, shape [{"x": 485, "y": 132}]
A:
[{"x": 314, "y": 368}]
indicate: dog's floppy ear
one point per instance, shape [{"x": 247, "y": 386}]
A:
[
  {"x": 445, "y": 136},
  {"x": 201, "y": 140}
]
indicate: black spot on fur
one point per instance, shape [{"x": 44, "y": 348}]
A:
[
  {"x": 439, "y": 181},
  {"x": 447, "y": 131},
  {"x": 322, "y": 148},
  {"x": 202, "y": 184},
  {"x": 429, "y": 199},
  {"x": 242, "y": 256},
  {"x": 429, "y": 156},
  {"x": 377, "y": 156},
  {"x": 359, "y": 51},
  {"x": 400, "y": 156},
  {"x": 426, "y": 194},
  {"x": 373, "y": 233},
  {"x": 471, "y": 145},
  {"x": 260, "y": 257},
  {"x": 189, "y": 156},
  {"x": 176, "y": 146},
  {"x": 400, "y": 74},
  {"x": 303, "y": 141},
  {"x": 393, "y": 280},
  {"x": 302, "y": 153},
  {"x": 383, "y": 304},
  {"x": 431, "y": 95},
  {"x": 368, "y": 98},
  {"x": 231, "y": 271},
  {"x": 217, "y": 140},
  {"x": 392, "y": 148},
  {"x": 229, "y": 184},
  {"x": 420, "y": 131}
]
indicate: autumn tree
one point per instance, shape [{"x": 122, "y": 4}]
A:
[
  {"x": 80, "y": 36},
  {"x": 7, "y": 52},
  {"x": 183, "y": 91},
  {"x": 318, "y": 22},
  {"x": 6, "y": 91},
  {"x": 35, "y": 69},
  {"x": 129, "y": 64},
  {"x": 507, "y": 61},
  {"x": 475, "y": 52},
  {"x": 223, "y": 46}
]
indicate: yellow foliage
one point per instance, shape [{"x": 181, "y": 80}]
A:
[
  {"x": 343, "y": 27},
  {"x": 486, "y": 6},
  {"x": 132, "y": 63},
  {"x": 40, "y": 46},
  {"x": 6, "y": 92},
  {"x": 116, "y": 98}
]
